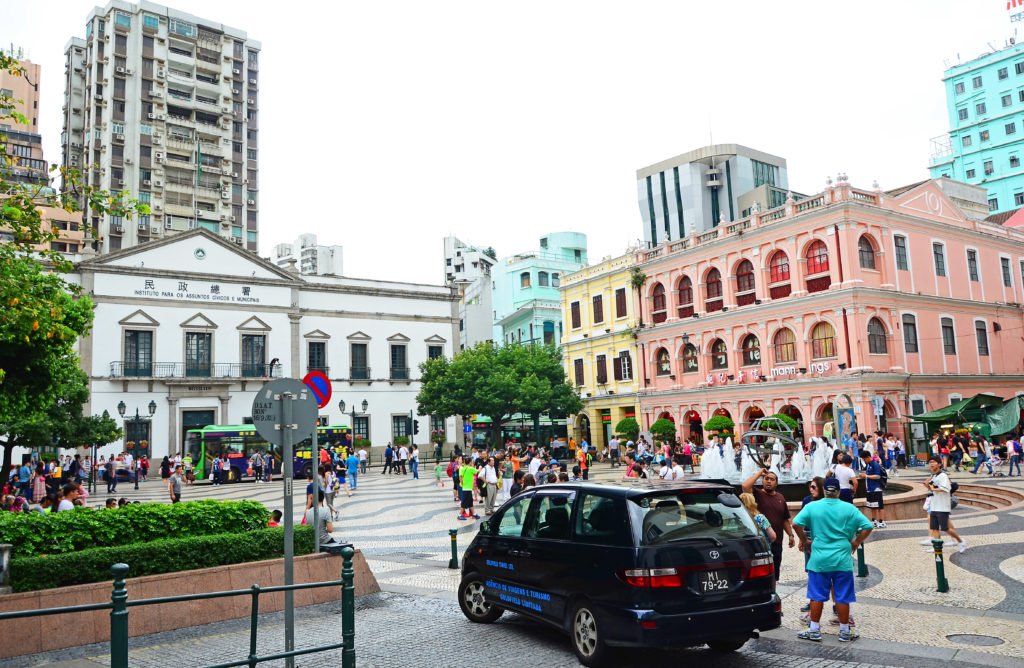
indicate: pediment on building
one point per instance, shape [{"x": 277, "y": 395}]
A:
[
  {"x": 255, "y": 324},
  {"x": 139, "y": 319},
  {"x": 199, "y": 321},
  {"x": 359, "y": 336},
  {"x": 316, "y": 334},
  {"x": 929, "y": 201}
]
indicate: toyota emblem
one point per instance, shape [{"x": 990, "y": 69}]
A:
[{"x": 714, "y": 554}]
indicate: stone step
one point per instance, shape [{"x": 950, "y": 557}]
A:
[{"x": 1001, "y": 496}]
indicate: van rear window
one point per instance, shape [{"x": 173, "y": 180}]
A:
[{"x": 671, "y": 516}]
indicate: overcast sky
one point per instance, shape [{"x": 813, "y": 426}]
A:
[{"x": 387, "y": 125}]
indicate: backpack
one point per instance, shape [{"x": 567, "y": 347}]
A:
[
  {"x": 883, "y": 480},
  {"x": 1016, "y": 447}
]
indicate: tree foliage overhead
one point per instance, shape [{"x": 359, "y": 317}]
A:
[
  {"x": 497, "y": 381},
  {"x": 629, "y": 428},
  {"x": 42, "y": 315},
  {"x": 663, "y": 430},
  {"x": 719, "y": 423}
]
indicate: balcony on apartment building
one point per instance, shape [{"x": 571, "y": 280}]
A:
[{"x": 138, "y": 369}]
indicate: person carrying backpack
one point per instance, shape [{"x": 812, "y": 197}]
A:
[
  {"x": 1016, "y": 454},
  {"x": 875, "y": 476}
]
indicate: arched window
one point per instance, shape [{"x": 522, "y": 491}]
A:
[
  {"x": 690, "y": 359},
  {"x": 745, "y": 283},
  {"x": 713, "y": 291},
  {"x": 745, "y": 276},
  {"x": 555, "y": 281},
  {"x": 779, "y": 267},
  {"x": 658, "y": 303},
  {"x": 685, "y": 297},
  {"x": 817, "y": 263},
  {"x": 877, "y": 344},
  {"x": 823, "y": 341},
  {"x": 866, "y": 253},
  {"x": 778, "y": 275},
  {"x": 542, "y": 279},
  {"x": 751, "y": 351},
  {"x": 719, "y": 355},
  {"x": 664, "y": 363},
  {"x": 817, "y": 258},
  {"x": 784, "y": 343},
  {"x": 524, "y": 279}
]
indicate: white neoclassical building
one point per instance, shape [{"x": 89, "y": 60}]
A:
[{"x": 193, "y": 325}]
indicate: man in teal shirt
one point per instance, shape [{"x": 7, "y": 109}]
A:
[
  {"x": 838, "y": 529},
  {"x": 352, "y": 464}
]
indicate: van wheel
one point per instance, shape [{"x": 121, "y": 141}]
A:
[
  {"x": 474, "y": 603},
  {"x": 587, "y": 639},
  {"x": 726, "y": 645}
]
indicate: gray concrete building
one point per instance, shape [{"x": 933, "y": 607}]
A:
[
  {"x": 694, "y": 192},
  {"x": 165, "y": 105}
]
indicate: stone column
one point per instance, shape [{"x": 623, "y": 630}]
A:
[
  {"x": 172, "y": 425},
  {"x": 224, "y": 401},
  {"x": 294, "y": 320}
]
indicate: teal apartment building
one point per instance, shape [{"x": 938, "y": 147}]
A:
[
  {"x": 527, "y": 302},
  {"x": 985, "y": 144}
]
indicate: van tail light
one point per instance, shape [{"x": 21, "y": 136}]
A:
[
  {"x": 761, "y": 568},
  {"x": 653, "y": 578}
]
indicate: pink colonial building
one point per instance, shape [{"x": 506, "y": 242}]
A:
[{"x": 903, "y": 300}]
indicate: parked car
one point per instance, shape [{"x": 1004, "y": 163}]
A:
[{"x": 656, "y": 566}]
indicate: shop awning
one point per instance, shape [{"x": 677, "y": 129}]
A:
[
  {"x": 1005, "y": 418},
  {"x": 973, "y": 409}
]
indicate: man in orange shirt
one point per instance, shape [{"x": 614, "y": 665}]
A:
[{"x": 581, "y": 456}]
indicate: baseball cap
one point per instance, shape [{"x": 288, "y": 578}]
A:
[{"x": 832, "y": 483}]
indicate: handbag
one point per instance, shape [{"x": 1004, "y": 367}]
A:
[{"x": 501, "y": 484}]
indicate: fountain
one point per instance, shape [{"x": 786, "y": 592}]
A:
[
  {"x": 711, "y": 465},
  {"x": 821, "y": 458},
  {"x": 770, "y": 444},
  {"x": 729, "y": 460}
]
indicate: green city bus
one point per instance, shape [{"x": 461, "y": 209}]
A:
[{"x": 240, "y": 441}]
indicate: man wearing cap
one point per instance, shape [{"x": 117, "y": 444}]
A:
[{"x": 839, "y": 529}]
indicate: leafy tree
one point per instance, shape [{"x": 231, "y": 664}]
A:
[
  {"x": 629, "y": 428},
  {"x": 790, "y": 422},
  {"x": 719, "y": 423},
  {"x": 664, "y": 430},
  {"x": 498, "y": 382},
  {"x": 42, "y": 314},
  {"x": 489, "y": 252}
]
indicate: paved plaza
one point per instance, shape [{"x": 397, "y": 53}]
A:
[{"x": 401, "y": 525}]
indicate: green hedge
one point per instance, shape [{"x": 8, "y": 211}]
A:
[
  {"x": 83, "y": 528},
  {"x": 169, "y": 555}
]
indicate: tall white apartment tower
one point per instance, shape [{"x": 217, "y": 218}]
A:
[{"x": 165, "y": 105}]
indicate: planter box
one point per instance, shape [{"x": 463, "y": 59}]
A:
[{"x": 36, "y": 634}]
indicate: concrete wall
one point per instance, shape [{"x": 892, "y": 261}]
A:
[{"x": 35, "y": 635}]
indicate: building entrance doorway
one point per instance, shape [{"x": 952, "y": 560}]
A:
[{"x": 193, "y": 420}]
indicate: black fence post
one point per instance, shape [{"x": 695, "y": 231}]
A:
[
  {"x": 254, "y": 625},
  {"x": 348, "y": 608},
  {"x": 119, "y": 618}
]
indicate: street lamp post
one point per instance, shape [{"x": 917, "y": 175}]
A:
[
  {"x": 121, "y": 408},
  {"x": 353, "y": 414}
]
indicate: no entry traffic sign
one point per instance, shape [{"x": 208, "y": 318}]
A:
[{"x": 320, "y": 385}]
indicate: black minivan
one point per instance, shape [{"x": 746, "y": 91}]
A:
[{"x": 658, "y": 565}]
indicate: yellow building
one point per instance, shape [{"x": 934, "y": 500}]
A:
[{"x": 599, "y": 348}]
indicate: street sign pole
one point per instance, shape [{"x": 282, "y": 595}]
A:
[
  {"x": 289, "y": 525},
  {"x": 284, "y": 412},
  {"x": 315, "y": 453}
]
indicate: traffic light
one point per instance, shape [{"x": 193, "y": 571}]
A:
[{"x": 415, "y": 426}]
